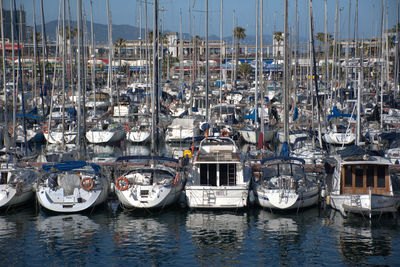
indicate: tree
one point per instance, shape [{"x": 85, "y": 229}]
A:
[
  {"x": 245, "y": 69},
  {"x": 120, "y": 43},
  {"x": 239, "y": 33},
  {"x": 321, "y": 38},
  {"x": 278, "y": 36}
]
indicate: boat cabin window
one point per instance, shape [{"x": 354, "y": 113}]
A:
[
  {"x": 359, "y": 173},
  {"x": 227, "y": 174},
  {"x": 381, "y": 176},
  {"x": 370, "y": 176},
  {"x": 208, "y": 174},
  {"x": 348, "y": 179},
  {"x": 218, "y": 174},
  {"x": 359, "y": 179}
]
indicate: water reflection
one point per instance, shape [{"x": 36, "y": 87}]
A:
[
  {"x": 218, "y": 236},
  {"x": 146, "y": 238},
  {"x": 283, "y": 237},
  {"x": 361, "y": 241},
  {"x": 14, "y": 227}
]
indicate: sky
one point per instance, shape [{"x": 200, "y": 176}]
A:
[{"x": 128, "y": 12}]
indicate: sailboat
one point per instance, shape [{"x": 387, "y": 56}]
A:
[
  {"x": 281, "y": 182},
  {"x": 154, "y": 184},
  {"x": 16, "y": 183},
  {"x": 71, "y": 186}
]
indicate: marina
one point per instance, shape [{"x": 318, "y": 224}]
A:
[{"x": 177, "y": 149}]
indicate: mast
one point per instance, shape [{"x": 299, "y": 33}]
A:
[
  {"x": 64, "y": 44},
  {"x": 220, "y": 57},
  {"x": 181, "y": 67},
  {"x": 348, "y": 43},
  {"x": 382, "y": 65},
  {"x": 285, "y": 75},
  {"x": 256, "y": 72},
  {"x": 326, "y": 45},
  {"x": 154, "y": 98},
  {"x": 44, "y": 54},
  {"x": 315, "y": 74},
  {"x": 262, "y": 70},
  {"x": 207, "y": 100},
  {"x": 34, "y": 55},
  {"x": 93, "y": 56},
  {"x": 396, "y": 61},
  {"x": 296, "y": 31},
  {"x": 20, "y": 85},
  {"x": 4, "y": 69},
  {"x": 78, "y": 57},
  {"x": 14, "y": 123},
  {"x": 110, "y": 53}
]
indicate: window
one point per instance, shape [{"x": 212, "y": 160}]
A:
[
  {"x": 348, "y": 176},
  {"x": 381, "y": 176},
  {"x": 359, "y": 172},
  {"x": 370, "y": 176},
  {"x": 223, "y": 174},
  {"x": 208, "y": 174}
]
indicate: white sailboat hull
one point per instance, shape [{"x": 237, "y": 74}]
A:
[
  {"x": 285, "y": 199},
  {"x": 57, "y": 137},
  {"x": 138, "y": 136},
  {"x": 99, "y": 137},
  {"x": 157, "y": 197},
  {"x": 10, "y": 197},
  {"x": 339, "y": 138}
]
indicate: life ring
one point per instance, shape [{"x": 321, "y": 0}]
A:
[
  {"x": 122, "y": 183},
  {"x": 224, "y": 133},
  {"x": 11, "y": 130},
  {"x": 45, "y": 129},
  {"x": 87, "y": 183},
  {"x": 126, "y": 127}
]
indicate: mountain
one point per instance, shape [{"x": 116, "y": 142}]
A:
[{"x": 129, "y": 32}]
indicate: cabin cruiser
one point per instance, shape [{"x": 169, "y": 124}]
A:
[
  {"x": 219, "y": 178},
  {"x": 362, "y": 183}
]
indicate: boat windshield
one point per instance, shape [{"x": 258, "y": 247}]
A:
[{"x": 282, "y": 169}]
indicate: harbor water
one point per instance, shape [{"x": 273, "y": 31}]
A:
[{"x": 109, "y": 236}]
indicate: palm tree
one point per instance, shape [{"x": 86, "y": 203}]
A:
[
  {"x": 278, "y": 36},
  {"x": 120, "y": 43},
  {"x": 239, "y": 33},
  {"x": 245, "y": 69},
  {"x": 321, "y": 38}
]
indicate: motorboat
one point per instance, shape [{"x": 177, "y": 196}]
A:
[
  {"x": 219, "y": 177},
  {"x": 362, "y": 183}
]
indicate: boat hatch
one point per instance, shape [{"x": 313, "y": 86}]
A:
[
  {"x": 144, "y": 193},
  {"x": 218, "y": 174},
  {"x": 357, "y": 179}
]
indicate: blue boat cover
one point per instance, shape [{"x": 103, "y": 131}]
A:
[
  {"x": 70, "y": 165},
  {"x": 158, "y": 158},
  {"x": 336, "y": 113}
]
